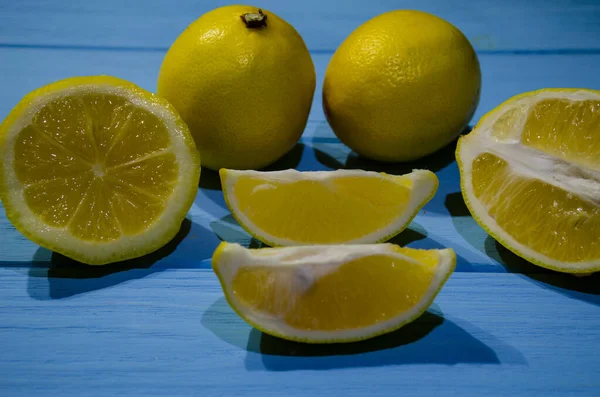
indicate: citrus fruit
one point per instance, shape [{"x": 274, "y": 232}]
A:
[
  {"x": 530, "y": 175},
  {"x": 97, "y": 169},
  {"x": 401, "y": 86},
  {"x": 325, "y": 207},
  {"x": 331, "y": 293},
  {"x": 243, "y": 80}
]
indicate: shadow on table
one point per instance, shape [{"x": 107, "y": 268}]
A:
[
  {"x": 409, "y": 236},
  {"x": 228, "y": 229},
  {"x": 433, "y": 162},
  {"x": 211, "y": 180},
  {"x": 430, "y": 339},
  {"x": 455, "y": 204},
  {"x": 584, "y": 288},
  {"x": 465, "y": 225},
  {"x": 66, "y": 277}
]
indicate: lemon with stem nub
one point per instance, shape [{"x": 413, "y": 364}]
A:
[{"x": 243, "y": 80}]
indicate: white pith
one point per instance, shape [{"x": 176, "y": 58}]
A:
[
  {"x": 59, "y": 237},
  {"x": 424, "y": 184},
  {"x": 528, "y": 162},
  {"x": 325, "y": 259}
]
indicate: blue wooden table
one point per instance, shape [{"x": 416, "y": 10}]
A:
[{"x": 159, "y": 325}]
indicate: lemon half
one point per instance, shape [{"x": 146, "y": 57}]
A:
[
  {"x": 530, "y": 175},
  {"x": 97, "y": 169}
]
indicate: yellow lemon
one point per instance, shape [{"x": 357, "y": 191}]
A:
[
  {"x": 331, "y": 293},
  {"x": 243, "y": 80},
  {"x": 97, "y": 169},
  {"x": 325, "y": 207},
  {"x": 530, "y": 174},
  {"x": 401, "y": 86}
]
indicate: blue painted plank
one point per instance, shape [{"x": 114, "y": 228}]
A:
[
  {"x": 503, "y": 75},
  {"x": 152, "y": 25},
  {"x": 159, "y": 325},
  {"x": 444, "y": 222},
  {"x": 170, "y": 332}
]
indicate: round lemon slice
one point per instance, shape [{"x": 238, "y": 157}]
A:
[
  {"x": 331, "y": 293},
  {"x": 97, "y": 169},
  {"x": 290, "y": 207},
  {"x": 530, "y": 175}
]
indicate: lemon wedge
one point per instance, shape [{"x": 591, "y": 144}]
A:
[
  {"x": 97, "y": 169},
  {"x": 290, "y": 207},
  {"x": 331, "y": 293},
  {"x": 530, "y": 175}
]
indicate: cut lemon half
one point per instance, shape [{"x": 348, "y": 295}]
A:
[
  {"x": 331, "y": 293},
  {"x": 97, "y": 169},
  {"x": 290, "y": 207},
  {"x": 530, "y": 175}
]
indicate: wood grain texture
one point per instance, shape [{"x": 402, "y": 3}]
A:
[
  {"x": 444, "y": 222},
  {"x": 493, "y": 26},
  {"x": 170, "y": 332},
  {"x": 159, "y": 325},
  {"x": 503, "y": 75}
]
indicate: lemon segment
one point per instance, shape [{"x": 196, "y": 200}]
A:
[
  {"x": 331, "y": 293},
  {"x": 530, "y": 175},
  {"x": 97, "y": 169},
  {"x": 566, "y": 129},
  {"x": 289, "y": 207}
]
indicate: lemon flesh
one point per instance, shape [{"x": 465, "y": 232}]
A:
[
  {"x": 530, "y": 173},
  {"x": 97, "y": 169},
  {"x": 290, "y": 207},
  {"x": 329, "y": 293}
]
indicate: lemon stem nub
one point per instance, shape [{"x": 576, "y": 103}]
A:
[{"x": 255, "y": 19}]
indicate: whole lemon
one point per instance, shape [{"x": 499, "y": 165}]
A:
[
  {"x": 243, "y": 80},
  {"x": 401, "y": 86}
]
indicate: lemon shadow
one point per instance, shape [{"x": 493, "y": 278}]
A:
[
  {"x": 228, "y": 229},
  {"x": 288, "y": 161},
  {"x": 65, "y": 277},
  {"x": 430, "y": 339},
  {"x": 211, "y": 180},
  {"x": 434, "y": 162},
  {"x": 409, "y": 236},
  {"x": 455, "y": 204},
  {"x": 586, "y": 288},
  {"x": 466, "y": 225}
]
